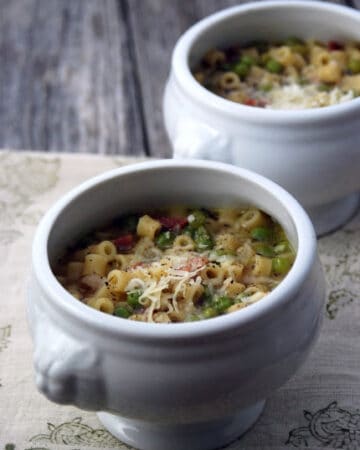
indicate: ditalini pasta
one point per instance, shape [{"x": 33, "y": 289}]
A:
[
  {"x": 291, "y": 74},
  {"x": 179, "y": 264}
]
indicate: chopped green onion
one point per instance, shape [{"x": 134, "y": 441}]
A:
[
  {"x": 203, "y": 239},
  {"x": 221, "y": 304},
  {"x": 196, "y": 219},
  {"x": 165, "y": 239}
]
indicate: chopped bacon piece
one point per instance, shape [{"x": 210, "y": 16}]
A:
[
  {"x": 194, "y": 263},
  {"x": 173, "y": 223},
  {"x": 334, "y": 45},
  {"x": 124, "y": 243}
]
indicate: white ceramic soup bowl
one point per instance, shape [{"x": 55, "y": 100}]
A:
[
  {"x": 313, "y": 153},
  {"x": 195, "y": 385}
]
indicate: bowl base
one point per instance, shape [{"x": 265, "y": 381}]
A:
[
  {"x": 329, "y": 217},
  {"x": 196, "y": 436}
]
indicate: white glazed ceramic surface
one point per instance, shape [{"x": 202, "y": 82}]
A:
[
  {"x": 192, "y": 385},
  {"x": 313, "y": 153}
]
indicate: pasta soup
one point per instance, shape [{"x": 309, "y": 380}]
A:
[{"x": 178, "y": 264}]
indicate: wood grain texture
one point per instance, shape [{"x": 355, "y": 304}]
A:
[
  {"x": 66, "y": 78},
  {"x": 89, "y": 75},
  {"x": 156, "y": 25}
]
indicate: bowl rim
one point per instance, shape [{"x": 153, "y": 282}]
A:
[
  {"x": 63, "y": 301},
  {"x": 193, "y": 89}
]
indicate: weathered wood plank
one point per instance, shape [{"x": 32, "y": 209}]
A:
[
  {"x": 156, "y": 25},
  {"x": 88, "y": 75},
  {"x": 66, "y": 78}
]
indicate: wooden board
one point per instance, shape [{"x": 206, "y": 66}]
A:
[{"x": 89, "y": 75}]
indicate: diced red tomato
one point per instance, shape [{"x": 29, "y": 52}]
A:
[
  {"x": 334, "y": 45},
  {"x": 173, "y": 223},
  {"x": 194, "y": 263},
  {"x": 254, "y": 102},
  {"x": 124, "y": 243}
]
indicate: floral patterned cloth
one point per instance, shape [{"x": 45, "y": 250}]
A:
[{"x": 318, "y": 408}]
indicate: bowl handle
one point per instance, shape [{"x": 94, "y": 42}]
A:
[
  {"x": 195, "y": 139},
  {"x": 67, "y": 368}
]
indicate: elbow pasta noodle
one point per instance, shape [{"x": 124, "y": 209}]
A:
[
  {"x": 147, "y": 227},
  {"x": 102, "y": 304},
  {"x": 229, "y": 80},
  {"x": 179, "y": 264},
  {"x": 94, "y": 263},
  {"x": 289, "y": 74},
  {"x": 183, "y": 242}
]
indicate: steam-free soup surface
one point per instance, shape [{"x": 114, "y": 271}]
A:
[
  {"x": 178, "y": 264},
  {"x": 289, "y": 74}
]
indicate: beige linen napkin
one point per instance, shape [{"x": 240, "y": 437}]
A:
[{"x": 318, "y": 408}]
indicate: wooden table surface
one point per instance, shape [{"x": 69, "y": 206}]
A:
[{"x": 88, "y": 75}]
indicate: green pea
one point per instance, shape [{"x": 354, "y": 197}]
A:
[
  {"x": 196, "y": 219},
  {"x": 209, "y": 312},
  {"x": 261, "y": 234},
  {"x": 165, "y": 239},
  {"x": 281, "y": 265},
  {"x": 123, "y": 311},
  {"x": 354, "y": 65},
  {"x": 274, "y": 66},
  {"x": 264, "y": 250},
  {"x": 242, "y": 69},
  {"x": 203, "y": 239},
  {"x": 221, "y": 304},
  {"x": 248, "y": 60},
  {"x": 133, "y": 298}
]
